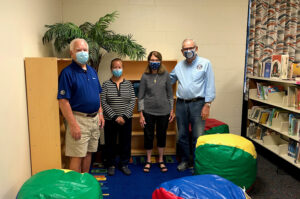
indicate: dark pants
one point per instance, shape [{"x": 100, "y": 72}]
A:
[
  {"x": 188, "y": 113},
  {"x": 161, "y": 123},
  {"x": 111, "y": 131}
]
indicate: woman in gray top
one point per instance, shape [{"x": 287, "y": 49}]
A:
[{"x": 155, "y": 104}]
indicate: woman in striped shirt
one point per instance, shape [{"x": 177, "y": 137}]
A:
[
  {"x": 117, "y": 100},
  {"x": 155, "y": 104}
]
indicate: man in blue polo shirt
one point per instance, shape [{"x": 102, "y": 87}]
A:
[
  {"x": 196, "y": 91},
  {"x": 79, "y": 101}
]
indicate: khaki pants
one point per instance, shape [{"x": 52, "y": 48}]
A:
[{"x": 90, "y": 133}]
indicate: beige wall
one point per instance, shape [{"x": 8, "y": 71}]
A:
[
  {"x": 22, "y": 27},
  {"x": 218, "y": 26}
]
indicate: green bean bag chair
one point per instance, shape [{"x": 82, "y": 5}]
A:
[
  {"x": 62, "y": 184},
  {"x": 230, "y": 156}
]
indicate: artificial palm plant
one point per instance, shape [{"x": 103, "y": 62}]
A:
[{"x": 98, "y": 36}]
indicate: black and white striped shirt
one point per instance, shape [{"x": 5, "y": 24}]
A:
[{"x": 117, "y": 102}]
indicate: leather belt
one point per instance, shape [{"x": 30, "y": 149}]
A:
[
  {"x": 86, "y": 114},
  {"x": 191, "y": 100}
]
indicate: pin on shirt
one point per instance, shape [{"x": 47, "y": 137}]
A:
[{"x": 199, "y": 67}]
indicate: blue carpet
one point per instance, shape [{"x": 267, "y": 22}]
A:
[{"x": 140, "y": 185}]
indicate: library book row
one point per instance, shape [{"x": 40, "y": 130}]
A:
[
  {"x": 279, "y": 68},
  {"x": 279, "y": 120},
  {"x": 290, "y": 96}
]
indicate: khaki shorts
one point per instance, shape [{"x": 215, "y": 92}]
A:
[{"x": 90, "y": 133}]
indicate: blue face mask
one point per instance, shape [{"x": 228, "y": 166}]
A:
[
  {"x": 82, "y": 57},
  {"x": 154, "y": 65},
  {"x": 117, "y": 72},
  {"x": 189, "y": 53}
]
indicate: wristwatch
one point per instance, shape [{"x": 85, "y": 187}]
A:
[{"x": 208, "y": 104}]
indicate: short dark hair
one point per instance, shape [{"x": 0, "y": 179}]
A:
[{"x": 115, "y": 59}]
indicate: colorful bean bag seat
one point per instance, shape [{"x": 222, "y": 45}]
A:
[
  {"x": 196, "y": 187},
  {"x": 230, "y": 156},
  {"x": 213, "y": 126},
  {"x": 56, "y": 183}
]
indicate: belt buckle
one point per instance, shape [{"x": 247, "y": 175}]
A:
[{"x": 91, "y": 114}]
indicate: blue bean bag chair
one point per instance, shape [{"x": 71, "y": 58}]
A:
[{"x": 199, "y": 187}]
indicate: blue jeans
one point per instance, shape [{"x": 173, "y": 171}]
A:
[{"x": 188, "y": 113}]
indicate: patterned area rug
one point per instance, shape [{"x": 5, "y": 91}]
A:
[{"x": 139, "y": 185}]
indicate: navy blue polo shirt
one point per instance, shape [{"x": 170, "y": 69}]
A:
[{"x": 80, "y": 87}]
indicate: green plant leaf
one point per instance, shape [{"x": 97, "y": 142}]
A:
[{"x": 97, "y": 35}]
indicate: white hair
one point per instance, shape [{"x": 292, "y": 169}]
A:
[
  {"x": 74, "y": 41},
  {"x": 195, "y": 44}
]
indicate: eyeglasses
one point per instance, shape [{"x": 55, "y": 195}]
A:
[{"x": 190, "y": 48}]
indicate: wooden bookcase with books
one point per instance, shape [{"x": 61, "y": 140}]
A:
[
  {"x": 133, "y": 71},
  {"x": 274, "y": 116}
]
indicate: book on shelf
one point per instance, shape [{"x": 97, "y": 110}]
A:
[
  {"x": 279, "y": 66},
  {"x": 275, "y": 88},
  {"x": 271, "y": 116},
  {"x": 267, "y": 69},
  {"x": 295, "y": 69},
  {"x": 252, "y": 111},
  {"x": 257, "y": 113},
  {"x": 276, "y": 66},
  {"x": 292, "y": 147},
  {"x": 297, "y": 155},
  {"x": 264, "y": 116},
  {"x": 294, "y": 124},
  {"x": 284, "y": 66},
  {"x": 261, "y": 94}
]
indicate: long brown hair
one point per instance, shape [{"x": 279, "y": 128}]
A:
[{"x": 156, "y": 54}]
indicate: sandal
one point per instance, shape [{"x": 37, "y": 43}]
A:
[
  {"x": 147, "y": 169},
  {"x": 162, "y": 167}
]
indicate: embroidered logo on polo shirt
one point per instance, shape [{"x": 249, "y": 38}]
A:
[
  {"x": 62, "y": 92},
  {"x": 199, "y": 67}
]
